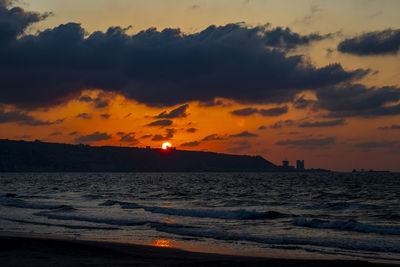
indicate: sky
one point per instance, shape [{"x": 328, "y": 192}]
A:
[{"x": 290, "y": 79}]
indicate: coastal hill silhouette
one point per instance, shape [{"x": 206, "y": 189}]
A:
[{"x": 23, "y": 156}]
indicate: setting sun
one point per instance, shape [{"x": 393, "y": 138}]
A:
[{"x": 166, "y": 145}]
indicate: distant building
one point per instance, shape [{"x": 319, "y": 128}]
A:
[
  {"x": 300, "y": 165},
  {"x": 285, "y": 163},
  {"x": 148, "y": 147}
]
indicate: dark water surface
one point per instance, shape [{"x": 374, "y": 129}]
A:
[{"x": 270, "y": 214}]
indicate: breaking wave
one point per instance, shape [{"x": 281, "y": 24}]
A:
[
  {"x": 240, "y": 214},
  {"x": 93, "y": 219}
]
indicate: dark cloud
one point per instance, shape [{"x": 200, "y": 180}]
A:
[
  {"x": 357, "y": 100},
  {"x": 302, "y": 103},
  {"x": 120, "y": 133},
  {"x": 331, "y": 123},
  {"x": 105, "y": 116},
  {"x": 308, "y": 143},
  {"x": 55, "y": 133},
  {"x": 213, "y": 137},
  {"x": 281, "y": 123},
  {"x": 373, "y": 145},
  {"x": 176, "y": 113},
  {"x": 393, "y": 127},
  {"x": 94, "y": 137},
  {"x": 245, "y": 112},
  {"x": 239, "y": 147},
  {"x": 191, "y": 144},
  {"x": 274, "y": 111},
  {"x": 73, "y": 133},
  {"x": 284, "y": 38},
  {"x": 85, "y": 116},
  {"x": 85, "y": 98},
  {"x": 146, "y": 136},
  {"x": 169, "y": 134},
  {"x": 129, "y": 138},
  {"x": 244, "y": 134},
  {"x": 14, "y": 21},
  {"x": 372, "y": 43},
  {"x": 264, "y": 112},
  {"x": 99, "y": 102},
  {"x": 158, "y": 68},
  {"x": 262, "y": 127},
  {"x": 161, "y": 123},
  {"x": 191, "y": 130},
  {"x": 24, "y": 119}
]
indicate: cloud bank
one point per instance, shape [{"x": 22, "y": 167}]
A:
[
  {"x": 158, "y": 68},
  {"x": 372, "y": 43},
  {"x": 263, "y": 112}
]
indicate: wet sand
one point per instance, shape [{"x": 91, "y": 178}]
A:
[{"x": 25, "y": 250}]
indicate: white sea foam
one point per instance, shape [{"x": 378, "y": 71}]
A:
[
  {"x": 240, "y": 214},
  {"x": 94, "y": 219}
]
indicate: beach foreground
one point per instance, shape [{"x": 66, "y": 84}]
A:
[{"x": 23, "y": 250}]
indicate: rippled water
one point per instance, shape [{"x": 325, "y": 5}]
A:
[{"x": 302, "y": 214}]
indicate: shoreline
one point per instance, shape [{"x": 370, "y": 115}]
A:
[{"x": 22, "y": 249}]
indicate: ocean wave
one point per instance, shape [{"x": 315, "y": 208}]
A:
[
  {"x": 217, "y": 234},
  {"x": 348, "y": 244},
  {"x": 340, "y": 206},
  {"x": 347, "y": 226},
  {"x": 9, "y": 201},
  {"x": 93, "y": 219},
  {"x": 240, "y": 214}
]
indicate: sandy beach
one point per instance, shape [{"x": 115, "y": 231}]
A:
[{"x": 30, "y": 250}]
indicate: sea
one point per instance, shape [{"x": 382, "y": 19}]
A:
[{"x": 293, "y": 215}]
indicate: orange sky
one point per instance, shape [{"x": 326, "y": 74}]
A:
[{"x": 216, "y": 120}]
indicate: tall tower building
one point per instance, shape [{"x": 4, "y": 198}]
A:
[{"x": 300, "y": 165}]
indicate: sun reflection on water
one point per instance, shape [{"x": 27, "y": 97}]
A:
[
  {"x": 168, "y": 220},
  {"x": 163, "y": 243}
]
